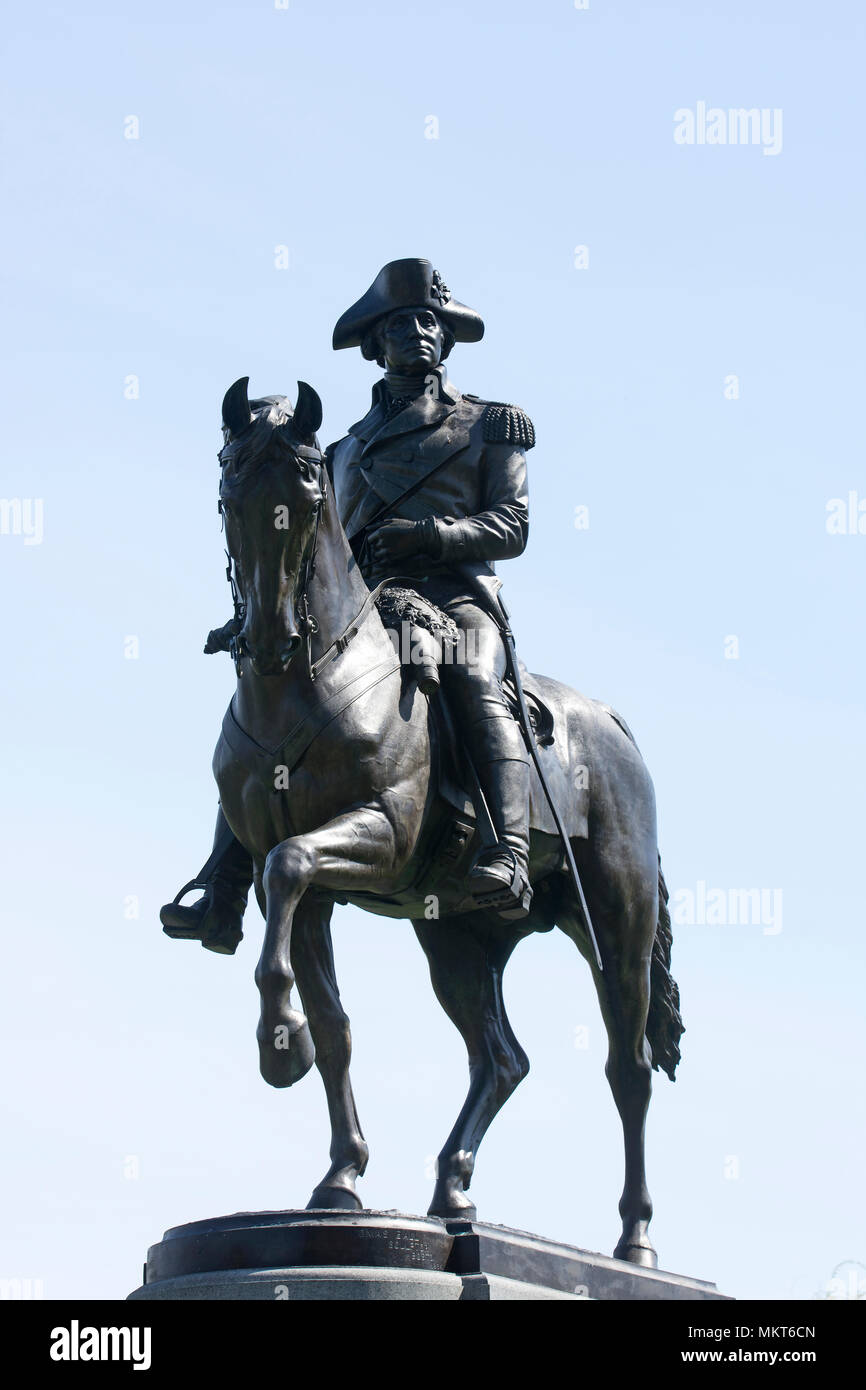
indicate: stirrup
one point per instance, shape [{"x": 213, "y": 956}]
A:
[
  {"x": 184, "y": 933},
  {"x": 188, "y": 887},
  {"x": 510, "y": 900},
  {"x": 223, "y": 938},
  {"x": 176, "y": 902}
]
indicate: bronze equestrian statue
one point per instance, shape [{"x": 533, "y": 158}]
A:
[{"x": 507, "y": 805}]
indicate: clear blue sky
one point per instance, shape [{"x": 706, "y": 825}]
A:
[{"x": 154, "y": 258}]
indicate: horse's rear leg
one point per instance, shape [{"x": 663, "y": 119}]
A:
[
  {"x": 467, "y": 957},
  {"x": 624, "y": 1000},
  {"x": 313, "y": 961},
  {"x": 625, "y": 936}
]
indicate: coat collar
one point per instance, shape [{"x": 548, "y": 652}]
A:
[{"x": 427, "y": 409}]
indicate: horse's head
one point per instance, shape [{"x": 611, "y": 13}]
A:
[{"x": 272, "y": 489}]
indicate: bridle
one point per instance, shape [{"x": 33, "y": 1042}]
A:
[{"x": 306, "y": 620}]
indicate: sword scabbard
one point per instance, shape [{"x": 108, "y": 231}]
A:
[{"x": 528, "y": 734}]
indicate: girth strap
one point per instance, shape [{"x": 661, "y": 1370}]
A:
[{"x": 292, "y": 748}]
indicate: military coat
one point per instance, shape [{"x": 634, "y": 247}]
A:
[{"x": 471, "y": 457}]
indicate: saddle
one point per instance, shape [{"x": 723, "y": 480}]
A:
[{"x": 424, "y": 638}]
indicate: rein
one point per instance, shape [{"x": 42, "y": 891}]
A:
[
  {"x": 307, "y": 622},
  {"x": 295, "y": 743},
  {"x": 339, "y": 645}
]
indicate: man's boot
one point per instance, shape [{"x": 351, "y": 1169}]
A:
[
  {"x": 499, "y": 878},
  {"x": 216, "y": 919}
]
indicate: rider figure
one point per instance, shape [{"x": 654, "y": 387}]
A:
[{"x": 470, "y": 510}]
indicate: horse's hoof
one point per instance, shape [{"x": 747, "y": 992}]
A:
[
  {"x": 286, "y": 1049},
  {"x": 643, "y": 1255},
  {"x": 334, "y": 1199},
  {"x": 452, "y": 1206}
]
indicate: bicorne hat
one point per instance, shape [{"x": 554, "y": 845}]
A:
[{"x": 408, "y": 284}]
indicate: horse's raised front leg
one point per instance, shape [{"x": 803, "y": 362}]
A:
[
  {"x": 467, "y": 956},
  {"x": 286, "y": 1048},
  {"x": 351, "y": 851},
  {"x": 313, "y": 961}
]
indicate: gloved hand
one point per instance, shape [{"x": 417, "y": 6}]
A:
[{"x": 394, "y": 541}]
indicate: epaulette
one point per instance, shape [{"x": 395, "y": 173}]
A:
[{"x": 508, "y": 424}]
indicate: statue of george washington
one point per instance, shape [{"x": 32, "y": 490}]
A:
[{"x": 430, "y": 485}]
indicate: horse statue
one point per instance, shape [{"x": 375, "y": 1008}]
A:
[{"x": 341, "y": 777}]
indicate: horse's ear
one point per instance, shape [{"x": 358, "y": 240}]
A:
[
  {"x": 307, "y": 418},
  {"x": 236, "y": 407}
]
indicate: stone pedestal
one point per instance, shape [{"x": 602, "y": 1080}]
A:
[{"x": 288, "y": 1256}]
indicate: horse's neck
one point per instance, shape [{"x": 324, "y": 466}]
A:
[
  {"x": 337, "y": 589},
  {"x": 266, "y": 706}
]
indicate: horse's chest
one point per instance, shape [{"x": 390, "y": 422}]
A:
[{"x": 265, "y": 807}]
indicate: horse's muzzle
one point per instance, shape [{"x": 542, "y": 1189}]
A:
[{"x": 273, "y": 661}]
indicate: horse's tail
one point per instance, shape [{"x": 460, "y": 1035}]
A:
[{"x": 664, "y": 1026}]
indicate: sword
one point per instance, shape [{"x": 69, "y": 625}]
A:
[{"x": 529, "y": 735}]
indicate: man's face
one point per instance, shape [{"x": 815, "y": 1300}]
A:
[{"x": 411, "y": 341}]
